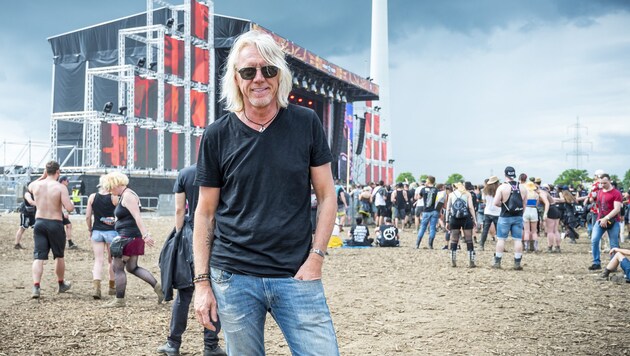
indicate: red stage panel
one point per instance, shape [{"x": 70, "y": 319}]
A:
[
  {"x": 199, "y": 20},
  {"x": 376, "y": 177},
  {"x": 376, "y": 155},
  {"x": 145, "y": 148},
  {"x": 195, "y": 141},
  {"x": 200, "y": 68},
  {"x": 377, "y": 129},
  {"x": 368, "y": 148},
  {"x": 113, "y": 145},
  {"x": 173, "y": 150},
  {"x": 173, "y": 104},
  {"x": 368, "y": 123},
  {"x": 173, "y": 56},
  {"x": 368, "y": 173},
  {"x": 391, "y": 174},
  {"x": 384, "y": 151},
  {"x": 384, "y": 176},
  {"x": 145, "y": 98},
  {"x": 198, "y": 108}
]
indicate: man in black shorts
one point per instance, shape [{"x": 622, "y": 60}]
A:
[
  {"x": 50, "y": 197},
  {"x": 27, "y": 218},
  {"x": 67, "y": 224}
]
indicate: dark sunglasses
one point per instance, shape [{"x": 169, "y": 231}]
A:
[{"x": 248, "y": 73}]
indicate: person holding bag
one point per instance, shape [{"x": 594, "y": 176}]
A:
[{"x": 134, "y": 235}]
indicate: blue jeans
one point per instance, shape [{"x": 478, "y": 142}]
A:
[
  {"x": 299, "y": 308},
  {"x": 430, "y": 218},
  {"x": 179, "y": 321},
  {"x": 510, "y": 224},
  {"x": 596, "y": 237}
]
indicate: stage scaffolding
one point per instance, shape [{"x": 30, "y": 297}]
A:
[{"x": 124, "y": 74}]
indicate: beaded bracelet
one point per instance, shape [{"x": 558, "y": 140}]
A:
[{"x": 201, "y": 277}]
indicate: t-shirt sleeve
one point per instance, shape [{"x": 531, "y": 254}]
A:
[
  {"x": 179, "y": 184},
  {"x": 208, "y": 168},
  {"x": 320, "y": 152}
]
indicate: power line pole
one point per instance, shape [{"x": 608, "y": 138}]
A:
[{"x": 577, "y": 143}]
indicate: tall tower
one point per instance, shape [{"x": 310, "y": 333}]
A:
[{"x": 379, "y": 72}]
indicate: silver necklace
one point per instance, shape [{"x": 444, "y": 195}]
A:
[{"x": 263, "y": 126}]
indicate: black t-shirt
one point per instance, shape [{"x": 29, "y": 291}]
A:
[
  {"x": 185, "y": 183},
  {"x": 429, "y": 194},
  {"x": 103, "y": 210},
  {"x": 125, "y": 222},
  {"x": 263, "y": 225}
]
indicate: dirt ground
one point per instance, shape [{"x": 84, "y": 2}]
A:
[{"x": 384, "y": 301}]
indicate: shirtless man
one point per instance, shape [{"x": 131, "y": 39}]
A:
[{"x": 49, "y": 234}]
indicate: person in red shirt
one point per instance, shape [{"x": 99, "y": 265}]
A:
[{"x": 608, "y": 203}]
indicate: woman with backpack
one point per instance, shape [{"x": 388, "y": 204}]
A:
[
  {"x": 460, "y": 212},
  {"x": 569, "y": 221}
]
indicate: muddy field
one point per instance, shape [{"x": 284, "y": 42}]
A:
[{"x": 396, "y": 301}]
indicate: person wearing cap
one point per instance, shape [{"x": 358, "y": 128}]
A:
[
  {"x": 491, "y": 212},
  {"x": 608, "y": 204},
  {"x": 511, "y": 197},
  {"x": 67, "y": 224}
]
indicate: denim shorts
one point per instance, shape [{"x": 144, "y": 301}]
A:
[
  {"x": 103, "y": 236},
  {"x": 510, "y": 224}
]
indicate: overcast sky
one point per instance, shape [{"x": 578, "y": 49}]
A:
[{"x": 475, "y": 85}]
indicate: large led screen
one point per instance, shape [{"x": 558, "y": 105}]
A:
[
  {"x": 145, "y": 148},
  {"x": 200, "y": 69},
  {"x": 173, "y": 104},
  {"x": 173, "y": 56},
  {"x": 198, "y": 108},
  {"x": 113, "y": 145},
  {"x": 195, "y": 141},
  {"x": 145, "y": 98},
  {"x": 174, "y": 151},
  {"x": 199, "y": 20}
]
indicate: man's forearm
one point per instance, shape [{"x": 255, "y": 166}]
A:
[
  {"x": 203, "y": 237},
  {"x": 325, "y": 222}
]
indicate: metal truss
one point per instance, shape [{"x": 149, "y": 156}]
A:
[{"x": 152, "y": 35}]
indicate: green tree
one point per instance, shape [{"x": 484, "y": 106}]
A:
[
  {"x": 454, "y": 178},
  {"x": 572, "y": 176},
  {"x": 405, "y": 177},
  {"x": 615, "y": 178},
  {"x": 626, "y": 180},
  {"x": 423, "y": 178}
]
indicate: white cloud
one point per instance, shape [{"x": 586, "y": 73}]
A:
[
  {"x": 482, "y": 101},
  {"x": 24, "y": 103}
]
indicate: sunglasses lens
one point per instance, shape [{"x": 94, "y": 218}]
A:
[
  {"x": 269, "y": 71},
  {"x": 247, "y": 73}
]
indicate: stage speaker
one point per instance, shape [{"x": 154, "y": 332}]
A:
[{"x": 361, "y": 135}]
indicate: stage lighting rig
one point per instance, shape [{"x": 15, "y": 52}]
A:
[
  {"x": 152, "y": 66},
  {"x": 384, "y": 136},
  {"x": 377, "y": 108},
  {"x": 391, "y": 161},
  {"x": 108, "y": 107},
  {"x": 122, "y": 110},
  {"x": 170, "y": 22},
  {"x": 180, "y": 27},
  {"x": 142, "y": 62}
]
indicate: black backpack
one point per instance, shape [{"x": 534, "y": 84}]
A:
[
  {"x": 514, "y": 204},
  {"x": 459, "y": 208}
]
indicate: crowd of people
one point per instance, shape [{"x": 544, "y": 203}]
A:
[{"x": 523, "y": 207}]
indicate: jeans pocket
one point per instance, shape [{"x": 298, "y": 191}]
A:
[{"x": 219, "y": 275}]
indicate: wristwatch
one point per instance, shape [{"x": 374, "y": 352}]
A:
[{"x": 318, "y": 251}]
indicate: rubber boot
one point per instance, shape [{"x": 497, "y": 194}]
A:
[
  {"x": 115, "y": 303},
  {"x": 112, "y": 288},
  {"x": 453, "y": 258},
  {"x": 557, "y": 249},
  {"x": 158, "y": 290},
  {"x": 497, "y": 262},
  {"x": 97, "y": 289},
  {"x": 471, "y": 259},
  {"x": 517, "y": 264}
]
